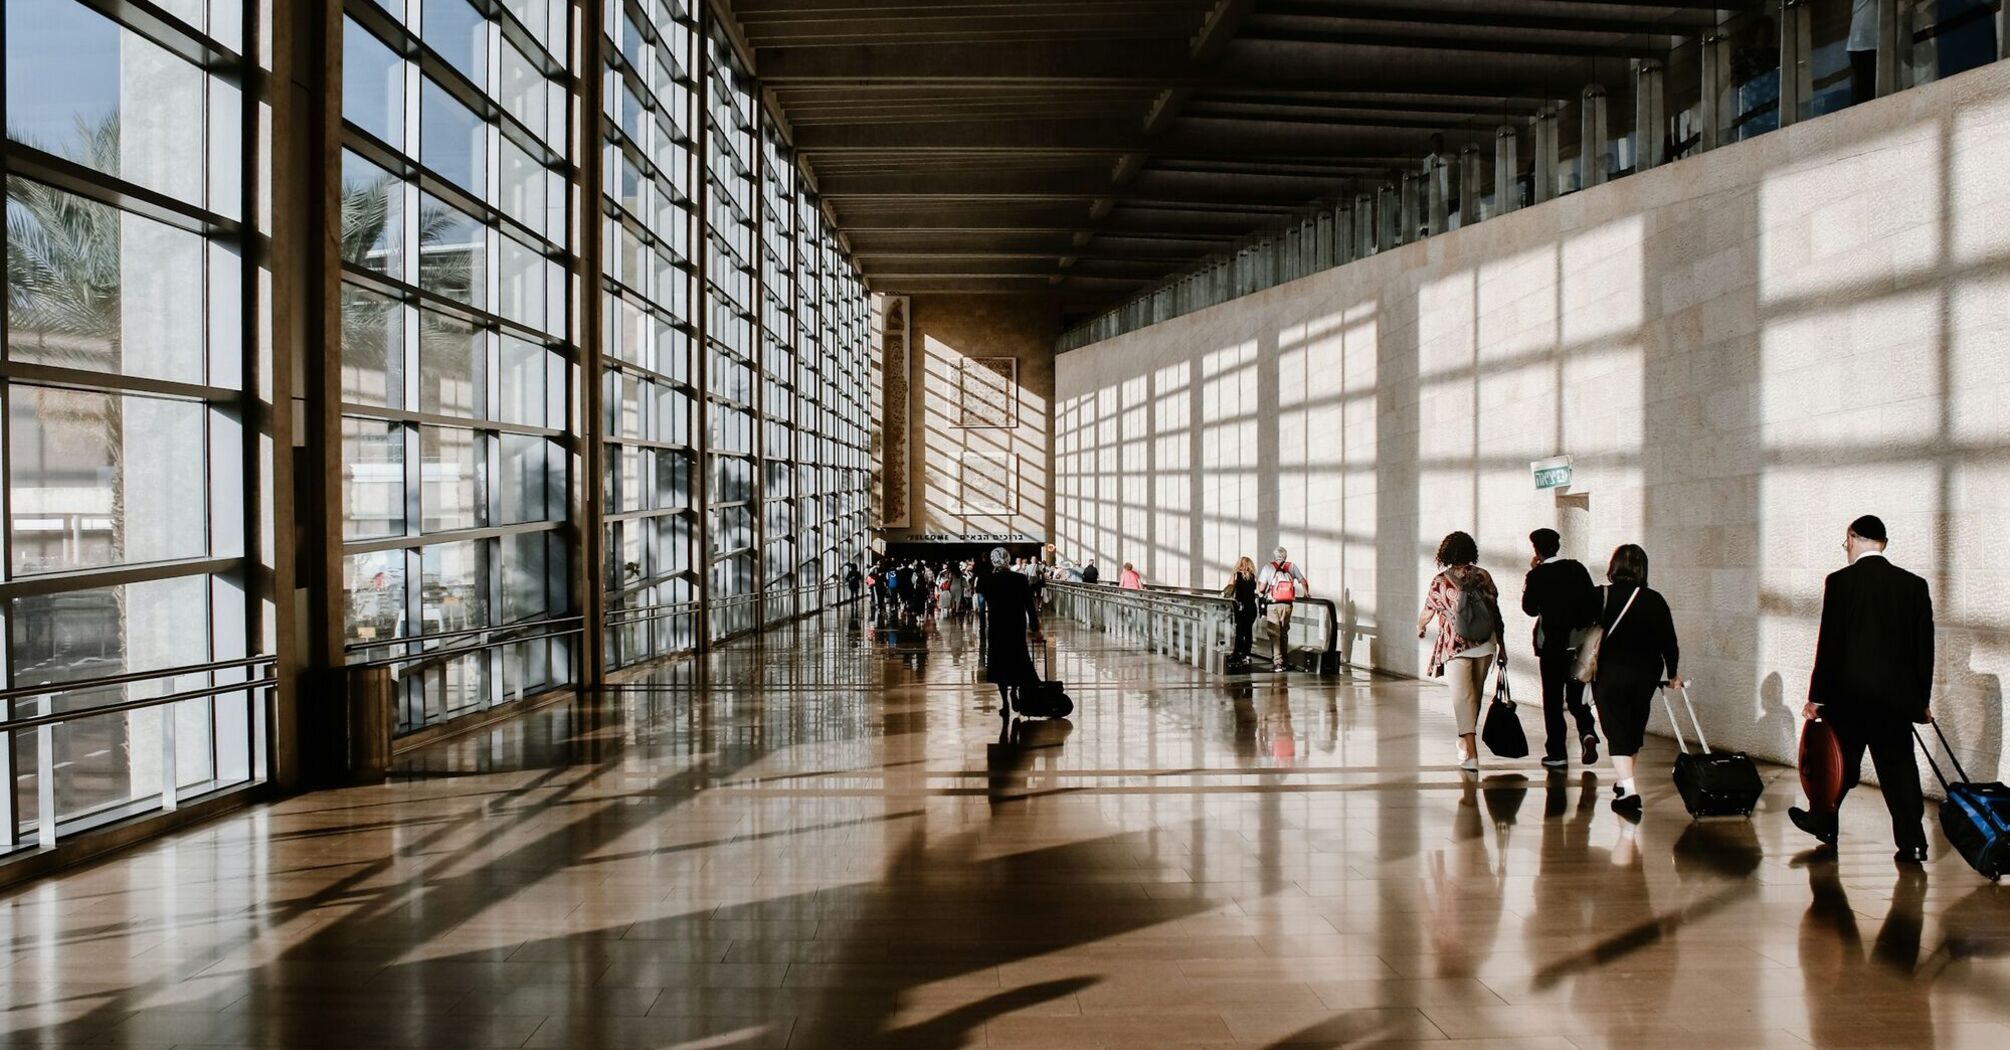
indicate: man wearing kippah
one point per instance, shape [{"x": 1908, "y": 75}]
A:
[{"x": 1872, "y": 680}]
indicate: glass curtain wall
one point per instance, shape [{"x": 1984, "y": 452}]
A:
[
  {"x": 456, "y": 356},
  {"x": 731, "y": 338},
  {"x": 124, "y": 386},
  {"x": 779, "y": 408},
  {"x": 649, "y": 328}
]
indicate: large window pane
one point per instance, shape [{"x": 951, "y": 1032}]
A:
[
  {"x": 373, "y": 592},
  {"x": 453, "y": 367},
  {"x": 373, "y": 349},
  {"x": 453, "y": 582},
  {"x": 82, "y": 87},
  {"x": 106, "y": 761},
  {"x": 527, "y": 478},
  {"x": 373, "y": 84},
  {"x": 96, "y": 288},
  {"x": 451, "y": 495},
  {"x": 373, "y": 479},
  {"x": 104, "y": 479},
  {"x": 460, "y": 35},
  {"x": 373, "y": 209},
  {"x": 452, "y": 142},
  {"x": 453, "y": 253}
]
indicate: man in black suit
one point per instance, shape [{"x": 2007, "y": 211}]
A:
[
  {"x": 1873, "y": 679},
  {"x": 1558, "y": 592}
]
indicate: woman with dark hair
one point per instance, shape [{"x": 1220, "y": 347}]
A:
[
  {"x": 1464, "y": 651},
  {"x": 1009, "y": 614},
  {"x": 1636, "y": 655}
]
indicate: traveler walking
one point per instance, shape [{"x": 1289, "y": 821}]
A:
[
  {"x": 957, "y": 585},
  {"x": 1872, "y": 680},
  {"x": 1131, "y": 579},
  {"x": 1091, "y": 574},
  {"x": 852, "y": 579},
  {"x": 1466, "y": 605},
  {"x": 1280, "y": 584},
  {"x": 1008, "y": 605},
  {"x": 1559, "y": 593},
  {"x": 1637, "y": 654},
  {"x": 1241, "y": 588}
]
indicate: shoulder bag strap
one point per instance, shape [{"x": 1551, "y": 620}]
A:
[{"x": 1622, "y": 611}]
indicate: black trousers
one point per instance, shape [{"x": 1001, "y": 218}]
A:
[
  {"x": 1889, "y": 742},
  {"x": 1244, "y": 636},
  {"x": 1560, "y": 692}
]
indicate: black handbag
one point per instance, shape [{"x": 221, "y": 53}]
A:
[{"x": 1503, "y": 732}]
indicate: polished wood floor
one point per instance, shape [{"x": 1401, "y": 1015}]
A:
[{"x": 821, "y": 838}]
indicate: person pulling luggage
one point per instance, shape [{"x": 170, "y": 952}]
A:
[
  {"x": 1636, "y": 653},
  {"x": 1872, "y": 681}
]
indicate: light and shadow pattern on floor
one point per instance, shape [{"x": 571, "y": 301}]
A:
[{"x": 826, "y": 837}]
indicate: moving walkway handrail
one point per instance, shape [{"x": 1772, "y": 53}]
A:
[
  {"x": 1187, "y": 601},
  {"x": 1332, "y": 610}
]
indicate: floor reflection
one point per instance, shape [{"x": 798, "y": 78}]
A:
[{"x": 827, "y": 837}]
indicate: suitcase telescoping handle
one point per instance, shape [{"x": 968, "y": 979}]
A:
[
  {"x": 1701, "y": 741},
  {"x": 1951, "y": 757}
]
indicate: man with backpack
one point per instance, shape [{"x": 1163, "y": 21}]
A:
[
  {"x": 1559, "y": 593},
  {"x": 1279, "y": 585}
]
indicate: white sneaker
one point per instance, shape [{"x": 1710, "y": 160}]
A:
[{"x": 1469, "y": 763}]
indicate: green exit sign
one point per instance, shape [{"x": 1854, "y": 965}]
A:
[{"x": 1551, "y": 473}]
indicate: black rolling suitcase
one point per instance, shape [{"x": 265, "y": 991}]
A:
[
  {"x": 1975, "y": 816},
  {"x": 1045, "y": 697},
  {"x": 1712, "y": 783}
]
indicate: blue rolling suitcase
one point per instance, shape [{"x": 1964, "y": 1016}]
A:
[{"x": 1975, "y": 816}]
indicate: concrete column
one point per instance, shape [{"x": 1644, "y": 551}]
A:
[
  {"x": 1438, "y": 178},
  {"x": 1388, "y": 218},
  {"x": 1469, "y": 186},
  {"x": 1346, "y": 247},
  {"x": 1544, "y": 127},
  {"x": 1364, "y": 226},
  {"x": 1794, "y": 44},
  {"x": 1591, "y": 136},
  {"x": 1408, "y": 207},
  {"x": 1716, "y": 80},
  {"x": 1507, "y": 193},
  {"x": 1888, "y": 47},
  {"x": 1650, "y": 125}
]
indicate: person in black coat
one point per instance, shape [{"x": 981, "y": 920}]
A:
[
  {"x": 1091, "y": 574},
  {"x": 1559, "y": 593},
  {"x": 1873, "y": 679},
  {"x": 1010, "y": 615},
  {"x": 1638, "y": 654}
]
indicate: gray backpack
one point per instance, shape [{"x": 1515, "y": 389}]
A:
[{"x": 1473, "y": 618}]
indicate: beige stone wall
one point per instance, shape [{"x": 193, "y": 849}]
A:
[
  {"x": 980, "y": 359},
  {"x": 1742, "y": 351}
]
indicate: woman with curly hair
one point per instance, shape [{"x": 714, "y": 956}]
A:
[{"x": 1463, "y": 661}]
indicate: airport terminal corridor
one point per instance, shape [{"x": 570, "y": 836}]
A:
[{"x": 825, "y": 836}]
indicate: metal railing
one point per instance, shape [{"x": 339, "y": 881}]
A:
[
  {"x": 484, "y": 639},
  {"x": 1192, "y": 626},
  {"x": 257, "y": 685}
]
